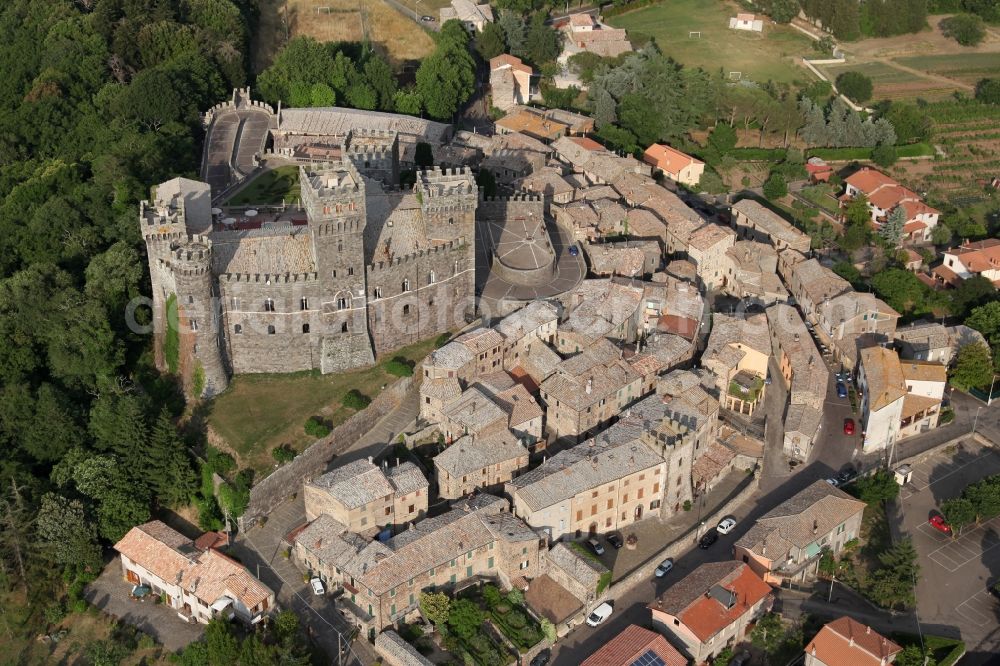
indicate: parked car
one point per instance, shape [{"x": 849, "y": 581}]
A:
[
  {"x": 726, "y": 526},
  {"x": 615, "y": 540},
  {"x": 841, "y": 390},
  {"x": 574, "y": 251},
  {"x": 427, "y": 19},
  {"x": 833, "y": 482},
  {"x": 317, "y": 586},
  {"x": 542, "y": 658},
  {"x": 938, "y": 523},
  {"x": 596, "y": 546},
  {"x": 847, "y": 475},
  {"x": 710, "y": 537},
  {"x": 664, "y": 568},
  {"x": 848, "y": 426},
  {"x": 599, "y": 614}
]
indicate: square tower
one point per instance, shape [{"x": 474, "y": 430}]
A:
[{"x": 448, "y": 199}]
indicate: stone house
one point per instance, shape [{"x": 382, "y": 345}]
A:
[
  {"x": 534, "y": 324},
  {"x": 751, "y": 273},
  {"x": 199, "y": 584},
  {"x": 394, "y": 651},
  {"x": 596, "y": 487},
  {"x": 435, "y": 394},
  {"x": 924, "y": 341},
  {"x": 454, "y": 361},
  {"x": 550, "y": 183},
  {"x": 707, "y": 248},
  {"x": 753, "y": 221},
  {"x": 485, "y": 462},
  {"x": 786, "y": 542},
  {"x": 674, "y": 164},
  {"x": 583, "y": 32},
  {"x": 885, "y": 195},
  {"x": 805, "y": 375},
  {"x": 510, "y": 82},
  {"x": 853, "y": 320},
  {"x": 471, "y": 15},
  {"x": 882, "y": 388},
  {"x": 477, "y": 539},
  {"x": 711, "y": 608},
  {"x": 847, "y": 642},
  {"x": 366, "y": 498},
  {"x": 486, "y": 346},
  {"x": 474, "y": 413},
  {"x": 737, "y": 354},
  {"x": 619, "y": 259},
  {"x": 636, "y": 645}
]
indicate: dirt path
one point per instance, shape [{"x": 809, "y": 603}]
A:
[{"x": 924, "y": 75}]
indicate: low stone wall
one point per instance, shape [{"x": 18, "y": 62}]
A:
[
  {"x": 644, "y": 571},
  {"x": 287, "y": 480}
]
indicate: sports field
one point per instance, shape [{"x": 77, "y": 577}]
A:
[{"x": 774, "y": 54}]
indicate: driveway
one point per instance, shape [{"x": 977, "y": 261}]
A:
[
  {"x": 111, "y": 593},
  {"x": 955, "y": 572}
]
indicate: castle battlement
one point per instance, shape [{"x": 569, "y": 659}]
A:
[
  {"x": 337, "y": 228},
  {"x": 162, "y": 213},
  {"x": 240, "y": 99},
  {"x": 165, "y": 238},
  {"x": 520, "y": 196},
  {"x": 267, "y": 278},
  {"x": 330, "y": 179},
  {"x": 419, "y": 254}
]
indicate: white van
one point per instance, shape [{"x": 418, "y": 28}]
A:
[{"x": 599, "y": 614}]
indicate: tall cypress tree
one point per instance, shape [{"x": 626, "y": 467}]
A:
[{"x": 166, "y": 466}]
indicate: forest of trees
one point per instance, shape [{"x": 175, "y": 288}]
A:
[{"x": 101, "y": 98}]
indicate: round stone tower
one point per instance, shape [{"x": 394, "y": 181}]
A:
[{"x": 198, "y": 317}]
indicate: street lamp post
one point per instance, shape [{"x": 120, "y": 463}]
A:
[
  {"x": 975, "y": 421},
  {"x": 416, "y": 14}
]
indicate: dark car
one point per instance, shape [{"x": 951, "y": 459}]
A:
[
  {"x": 427, "y": 19},
  {"x": 615, "y": 540},
  {"x": 574, "y": 251},
  {"x": 847, "y": 476},
  {"x": 994, "y": 589},
  {"x": 709, "y": 538},
  {"x": 542, "y": 658},
  {"x": 841, "y": 390}
]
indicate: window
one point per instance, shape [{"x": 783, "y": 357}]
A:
[
  {"x": 431, "y": 279},
  {"x": 392, "y": 593},
  {"x": 388, "y": 510},
  {"x": 392, "y": 609},
  {"x": 579, "y": 514},
  {"x": 409, "y": 509},
  {"x": 468, "y": 571},
  {"x": 194, "y": 324},
  {"x": 270, "y": 330},
  {"x": 341, "y": 303},
  {"x": 593, "y": 509},
  {"x": 607, "y": 523},
  {"x": 190, "y": 300},
  {"x": 378, "y": 292},
  {"x": 411, "y": 598},
  {"x": 593, "y": 494},
  {"x": 453, "y": 578},
  {"x": 638, "y": 495},
  {"x": 489, "y": 563},
  {"x": 343, "y": 327},
  {"x": 364, "y": 521},
  {"x": 611, "y": 503},
  {"x": 238, "y": 329},
  {"x": 340, "y": 243},
  {"x": 656, "y": 487},
  {"x": 350, "y": 270},
  {"x": 305, "y": 328},
  {"x": 406, "y": 285},
  {"x": 303, "y": 303},
  {"x": 268, "y": 305},
  {"x": 406, "y": 309},
  {"x": 453, "y": 563}
]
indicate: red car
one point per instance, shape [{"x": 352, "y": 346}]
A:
[
  {"x": 848, "y": 426},
  {"x": 937, "y": 522}
]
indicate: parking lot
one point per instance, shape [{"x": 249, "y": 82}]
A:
[{"x": 955, "y": 571}]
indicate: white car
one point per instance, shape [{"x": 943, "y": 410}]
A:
[
  {"x": 317, "y": 586},
  {"x": 726, "y": 526},
  {"x": 599, "y": 614},
  {"x": 664, "y": 568}
]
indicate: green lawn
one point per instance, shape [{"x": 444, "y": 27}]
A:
[
  {"x": 821, "y": 196},
  {"x": 773, "y": 55},
  {"x": 260, "y": 412},
  {"x": 272, "y": 187}
]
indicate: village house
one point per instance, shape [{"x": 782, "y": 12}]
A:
[
  {"x": 473, "y": 16},
  {"x": 925, "y": 386},
  {"x": 367, "y": 498},
  {"x": 477, "y": 539},
  {"x": 510, "y": 82},
  {"x": 884, "y": 195},
  {"x": 636, "y": 645},
  {"x": 534, "y": 324},
  {"x": 747, "y": 22},
  {"x": 786, "y": 543},
  {"x": 924, "y": 341},
  {"x": 805, "y": 375},
  {"x": 880, "y": 380},
  {"x": 597, "y": 309},
  {"x": 751, "y": 273},
  {"x": 711, "y": 608},
  {"x": 967, "y": 260},
  {"x": 394, "y": 651},
  {"x": 523, "y": 120},
  {"x": 675, "y": 165},
  {"x": 707, "y": 249},
  {"x": 847, "y": 642},
  {"x": 595, "y": 162},
  {"x": 753, "y": 221},
  {"x": 550, "y": 183},
  {"x": 630, "y": 259},
  {"x": 583, "y": 32},
  {"x": 513, "y": 156},
  {"x": 199, "y": 584},
  {"x": 475, "y": 413},
  {"x": 737, "y": 354},
  {"x": 479, "y": 463}
]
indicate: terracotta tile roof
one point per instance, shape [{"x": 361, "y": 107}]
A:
[
  {"x": 538, "y": 127},
  {"x": 581, "y": 20},
  {"x": 699, "y": 600},
  {"x": 847, "y": 642},
  {"x": 977, "y": 257},
  {"x": 209, "y": 575},
  {"x": 924, "y": 371},
  {"x": 669, "y": 159},
  {"x": 586, "y": 143},
  {"x": 946, "y": 275},
  {"x": 507, "y": 60},
  {"x": 910, "y": 227},
  {"x": 683, "y": 326},
  {"x": 519, "y": 405},
  {"x": 914, "y": 404},
  {"x": 635, "y": 641}
]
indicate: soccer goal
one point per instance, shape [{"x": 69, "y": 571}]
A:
[
  {"x": 735, "y": 76},
  {"x": 324, "y": 10},
  {"x": 694, "y": 34}
]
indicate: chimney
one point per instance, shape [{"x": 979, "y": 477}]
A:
[
  {"x": 868, "y": 630},
  {"x": 815, "y": 526},
  {"x": 371, "y": 459},
  {"x": 590, "y": 386}
]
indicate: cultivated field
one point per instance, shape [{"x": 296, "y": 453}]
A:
[
  {"x": 895, "y": 83},
  {"x": 967, "y": 67},
  {"x": 399, "y": 37},
  {"x": 772, "y": 55}
]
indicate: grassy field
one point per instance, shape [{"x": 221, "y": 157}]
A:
[
  {"x": 399, "y": 37},
  {"x": 261, "y": 412},
  {"x": 966, "y": 67},
  {"x": 773, "y": 55},
  {"x": 272, "y": 187}
]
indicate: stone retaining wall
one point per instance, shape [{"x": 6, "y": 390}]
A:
[{"x": 287, "y": 480}]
